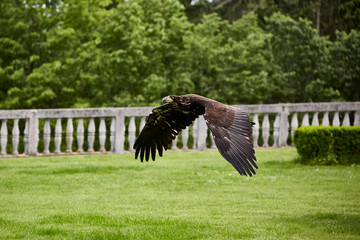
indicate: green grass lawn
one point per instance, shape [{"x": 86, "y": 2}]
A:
[{"x": 184, "y": 195}]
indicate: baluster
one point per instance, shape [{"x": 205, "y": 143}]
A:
[
  {"x": 4, "y": 136},
  {"x": 174, "y": 144},
  {"x": 112, "y": 134},
  {"x": 58, "y": 132},
  {"x": 102, "y": 134},
  {"x": 80, "y": 135},
  {"x": 315, "y": 120},
  {"x": 91, "y": 135},
  {"x": 47, "y": 136},
  {"x": 33, "y": 133},
  {"x": 294, "y": 123},
  {"x": 142, "y": 124},
  {"x": 185, "y": 137},
  {"x": 346, "y": 121},
  {"x": 325, "y": 121},
  {"x": 26, "y": 137},
  {"x": 276, "y": 130},
  {"x": 119, "y": 132},
  {"x": 305, "y": 120},
  {"x": 132, "y": 132},
  {"x": 202, "y": 134},
  {"x": 255, "y": 130},
  {"x": 336, "y": 120},
  {"x": 284, "y": 127},
  {"x": 357, "y": 118},
  {"x": 213, "y": 145},
  {"x": 69, "y": 135},
  {"x": 265, "y": 130},
  {"x": 15, "y": 137},
  {"x": 195, "y": 132}
]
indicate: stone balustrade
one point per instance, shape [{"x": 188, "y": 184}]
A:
[{"x": 69, "y": 131}]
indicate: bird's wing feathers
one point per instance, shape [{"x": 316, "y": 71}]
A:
[
  {"x": 233, "y": 139},
  {"x": 230, "y": 127},
  {"x": 162, "y": 126}
]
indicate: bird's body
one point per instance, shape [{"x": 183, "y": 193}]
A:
[{"x": 230, "y": 127}]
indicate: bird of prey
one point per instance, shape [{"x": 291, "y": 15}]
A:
[{"x": 231, "y": 129}]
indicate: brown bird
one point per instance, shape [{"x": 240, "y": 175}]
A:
[{"x": 231, "y": 129}]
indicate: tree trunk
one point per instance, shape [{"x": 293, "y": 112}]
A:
[{"x": 318, "y": 6}]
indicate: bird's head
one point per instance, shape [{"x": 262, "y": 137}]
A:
[
  {"x": 169, "y": 99},
  {"x": 184, "y": 100}
]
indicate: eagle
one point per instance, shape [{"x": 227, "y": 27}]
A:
[{"x": 231, "y": 129}]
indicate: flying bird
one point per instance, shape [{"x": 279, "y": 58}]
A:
[{"x": 231, "y": 129}]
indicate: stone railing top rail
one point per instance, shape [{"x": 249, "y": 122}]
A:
[
  {"x": 144, "y": 111},
  {"x": 302, "y": 107}
]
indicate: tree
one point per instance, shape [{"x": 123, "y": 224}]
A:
[
  {"x": 231, "y": 62},
  {"x": 328, "y": 16},
  {"x": 345, "y": 58},
  {"x": 68, "y": 53},
  {"x": 52, "y": 38},
  {"x": 304, "y": 55},
  {"x": 142, "y": 40},
  {"x": 23, "y": 45}
]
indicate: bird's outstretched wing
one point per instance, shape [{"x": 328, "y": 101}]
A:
[
  {"x": 233, "y": 139},
  {"x": 162, "y": 126}
]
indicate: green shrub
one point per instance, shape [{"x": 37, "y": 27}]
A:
[{"x": 328, "y": 145}]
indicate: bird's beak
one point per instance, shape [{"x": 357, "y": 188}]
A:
[{"x": 167, "y": 99}]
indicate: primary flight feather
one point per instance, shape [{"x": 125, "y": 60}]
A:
[{"x": 231, "y": 128}]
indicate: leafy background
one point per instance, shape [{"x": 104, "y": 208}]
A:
[{"x": 69, "y": 53}]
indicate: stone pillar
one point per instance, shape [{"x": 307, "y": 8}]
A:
[
  {"x": 265, "y": 130},
  {"x": 174, "y": 143},
  {"x": 346, "y": 121},
  {"x": 3, "y": 136},
  {"x": 315, "y": 120},
  {"x": 202, "y": 134},
  {"x": 132, "y": 131},
  {"x": 119, "y": 132},
  {"x": 305, "y": 120},
  {"x": 33, "y": 136},
  {"x": 325, "y": 121},
  {"x": 195, "y": 133},
  {"x": 112, "y": 134},
  {"x": 276, "y": 130},
  {"x": 284, "y": 127},
  {"x": 26, "y": 137},
  {"x": 336, "y": 120},
  {"x": 102, "y": 134},
  {"x": 255, "y": 130},
  {"x": 58, "y": 136},
  {"x": 80, "y": 135},
  {"x": 47, "y": 136},
  {"x": 185, "y": 137},
  {"x": 294, "y": 123},
  {"x": 69, "y": 135},
  {"x": 142, "y": 124},
  {"x": 91, "y": 135},
  {"x": 357, "y": 118},
  {"x": 15, "y": 137}
]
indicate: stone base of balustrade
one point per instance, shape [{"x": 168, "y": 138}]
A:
[{"x": 125, "y": 152}]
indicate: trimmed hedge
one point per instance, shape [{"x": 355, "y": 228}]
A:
[{"x": 328, "y": 145}]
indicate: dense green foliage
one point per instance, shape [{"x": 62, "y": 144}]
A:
[
  {"x": 122, "y": 53},
  {"x": 328, "y": 145},
  {"x": 327, "y": 16},
  {"x": 185, "y": 195}
]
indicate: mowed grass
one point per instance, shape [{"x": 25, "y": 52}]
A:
[{"x": 184, "y": 195}]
